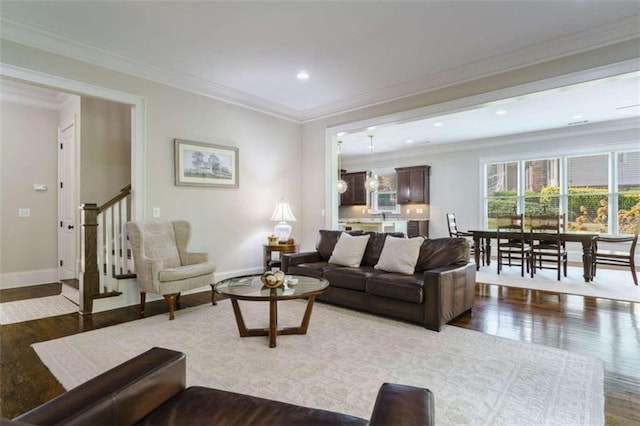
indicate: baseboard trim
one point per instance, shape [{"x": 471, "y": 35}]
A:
[{"x": 28, "y": 278}]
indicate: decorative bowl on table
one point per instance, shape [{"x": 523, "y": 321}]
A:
[{"x": 272, "y": 279}]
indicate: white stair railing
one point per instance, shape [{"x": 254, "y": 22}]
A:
[{"x": 105, "y": 248}]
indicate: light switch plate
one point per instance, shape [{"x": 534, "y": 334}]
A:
[
  {"x": 39, "y": 186},
  {"x": 24, "y": 212},
  {"x": 156, "y": 212}
]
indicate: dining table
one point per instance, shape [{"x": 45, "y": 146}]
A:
[{"x": 586, "y": 238}]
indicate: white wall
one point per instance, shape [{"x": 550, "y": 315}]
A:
[
  {"x": 229, "y": 224},
  {"x": 105, "y": 149},
  {"x": 28, "y": 145}
]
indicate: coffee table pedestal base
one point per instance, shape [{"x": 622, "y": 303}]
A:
[{"x": 273, "y": 329}]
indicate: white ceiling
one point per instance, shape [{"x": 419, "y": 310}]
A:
[
  {"x": 357, "y": 53},
  {"x": 595, "y": 101}
]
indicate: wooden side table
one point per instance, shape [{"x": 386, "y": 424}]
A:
[{"x": 268, "y": 249}]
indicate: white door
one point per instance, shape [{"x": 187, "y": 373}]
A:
[{"x": 67, "y": 208}]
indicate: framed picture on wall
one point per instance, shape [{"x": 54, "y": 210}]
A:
[{"x": 205, "y": 164}]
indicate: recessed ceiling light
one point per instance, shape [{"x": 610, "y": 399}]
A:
[
  {"x": 501, "y": 112},
  {"x": 577, "y": 117},
  {"x": 437, "y": 124},
  {"x": 342, "y": 133},
  {"x": 409, "y": 140},
  {"x": 303, "y": 75},
  {"x": 371, "y": 128}
]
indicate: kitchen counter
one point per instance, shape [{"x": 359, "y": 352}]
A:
[{"x": 375, "y": 225}]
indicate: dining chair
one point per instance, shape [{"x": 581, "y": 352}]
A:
[
  {"x": 614, "y": 257},
  {"x": 546, "y": 246},
  {"x": 455, "y": 233},
  {"x": 512, "y": 247}
]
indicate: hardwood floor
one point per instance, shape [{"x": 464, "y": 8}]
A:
[{"x": 603, "y": 328}]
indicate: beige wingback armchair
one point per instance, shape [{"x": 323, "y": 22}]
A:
[{"x": 162, "y": 263}]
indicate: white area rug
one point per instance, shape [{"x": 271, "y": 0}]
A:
[
  {"x": 608, "y": 283},
  {"x": 340, "y": 364},
  {"x": 30, "y": 309}
]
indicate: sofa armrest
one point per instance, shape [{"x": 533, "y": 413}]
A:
[
  {"x": 292, "y": 259},
  {"x": 448, "y": 291},
  {"x": 120, "y": 396},
  {"x": 403, "y": 405}
]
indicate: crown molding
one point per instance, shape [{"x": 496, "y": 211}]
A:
[
  {"x": 32, "y": 96},
  {"x": 40, "y": 38},
  {"x": 619, "y": 31}
]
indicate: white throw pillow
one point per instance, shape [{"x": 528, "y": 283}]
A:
[
  {"x": 400, "y": 254},
  {"x": 349, "y": 250}
]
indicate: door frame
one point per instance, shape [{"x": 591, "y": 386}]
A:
[
  {"x": 138, "y": 131},
  {"x": 70, "y": 185},
  {"x": 138, "y": 120}
]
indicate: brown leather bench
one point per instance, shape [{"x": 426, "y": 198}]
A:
[{"x": 150, "y": 390}]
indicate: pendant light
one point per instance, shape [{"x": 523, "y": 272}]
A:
[
  {"x": 371, "y": 184},
  {"x": 342, "y": 185}
]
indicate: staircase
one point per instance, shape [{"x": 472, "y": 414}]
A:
[{"x": 105, "y": 251}]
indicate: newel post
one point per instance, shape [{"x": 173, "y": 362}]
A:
[{"x": 91, "y": 275}]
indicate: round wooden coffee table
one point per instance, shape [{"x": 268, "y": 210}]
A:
[{"x": 250, "y": 288}]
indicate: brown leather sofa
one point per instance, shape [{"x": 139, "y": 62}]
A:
[
  {"x": 150, "y": 390},
  {"x": 441, "y": 289}
]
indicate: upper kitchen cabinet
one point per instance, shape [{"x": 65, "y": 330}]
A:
[
  {"x": 356, "y": 194},
  {"x": 413, "y": 185}
]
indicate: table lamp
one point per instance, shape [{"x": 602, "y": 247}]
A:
[{"x": 282, "y": 214}]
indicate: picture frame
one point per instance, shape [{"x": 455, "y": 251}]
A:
[{"x": 205, "y": 164}]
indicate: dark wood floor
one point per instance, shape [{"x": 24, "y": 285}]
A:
[{"x": 606, "y": 329}]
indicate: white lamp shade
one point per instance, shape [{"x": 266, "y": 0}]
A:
[{"x": 283, "y": 213}]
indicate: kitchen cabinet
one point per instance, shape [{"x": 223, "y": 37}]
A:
[
  {"x": 412, "y": 185},
  {"x": 356, "y": 194},
  {"x": 417, "y": 228}
]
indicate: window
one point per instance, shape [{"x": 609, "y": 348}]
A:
[
  {"x": 628, "y": 191},
  {"x": 384, "y": 199},
  {"x": 502, "y": 190},
  {"x": 542, "y": 187},
  {"x": 599, "y": 192},
  {"x": 588, "y": 193}
]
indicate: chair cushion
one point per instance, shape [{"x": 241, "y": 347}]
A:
[
  {"x": 160, "y": 242},
  {"x": 400, "y": 255},
  {"x": 185, "y": 272},
  {"x": 349, "y": 250}
]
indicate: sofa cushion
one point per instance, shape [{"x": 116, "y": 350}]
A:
[
  {"x": 327, "y": 239},
  {"x": 374, "y": 246},
  {"x": 350, "y": 278},
  {"x": 200, "y": 406},
  {"x": 311, "y": 269},
  {"x": 442, "y": 252},
  {"x": 349, "y": 250},
  {"x": 400, "y": 254},
  {"x": 403, "y": 287}
]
